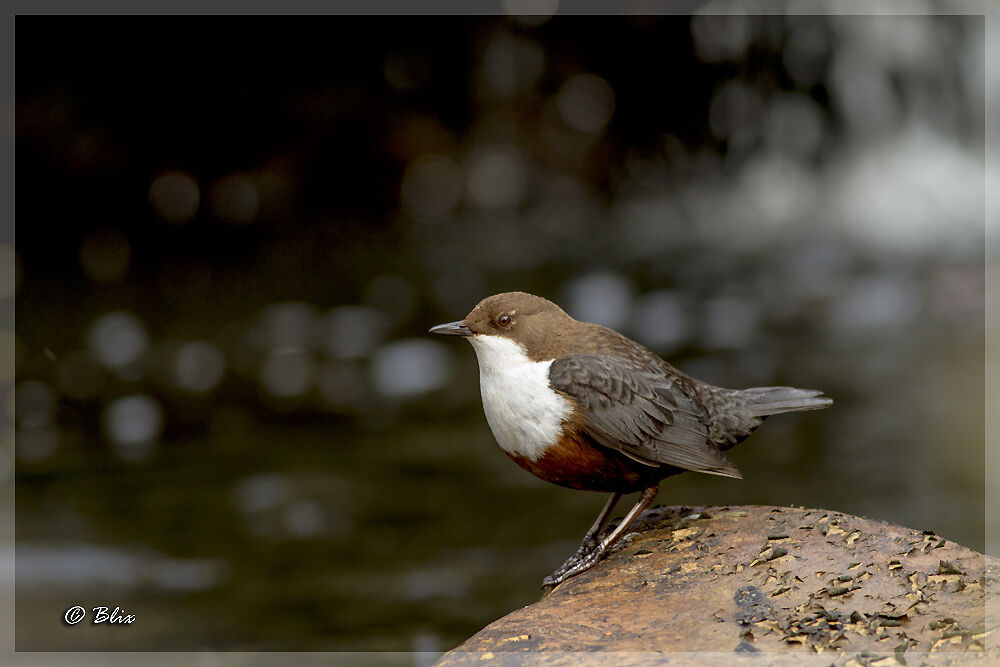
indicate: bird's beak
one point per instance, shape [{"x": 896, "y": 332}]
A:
[{"x": 451, "y": 329}]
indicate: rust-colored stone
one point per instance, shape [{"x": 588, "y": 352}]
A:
[{"x": 705, "y": 580}]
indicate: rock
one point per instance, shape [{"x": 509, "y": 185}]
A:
[{"x": 759, "y": 579}]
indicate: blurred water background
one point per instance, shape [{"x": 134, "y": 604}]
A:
[{"x": 232, "y": 234}]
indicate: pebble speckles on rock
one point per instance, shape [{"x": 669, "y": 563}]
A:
[{"x": 761, "y": 579}]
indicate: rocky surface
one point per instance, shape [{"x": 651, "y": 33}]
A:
[{"x": 727, "y": 584}]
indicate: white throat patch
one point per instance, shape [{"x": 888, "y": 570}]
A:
[{"x": 523, "y": 411}]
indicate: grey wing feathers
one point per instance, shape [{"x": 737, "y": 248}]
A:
[{"x": 645, "y": 415}]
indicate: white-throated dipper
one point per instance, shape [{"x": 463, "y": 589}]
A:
[{"x": 580, "y": 405}]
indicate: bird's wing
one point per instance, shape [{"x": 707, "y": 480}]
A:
[{"x": 642, "y": 413}]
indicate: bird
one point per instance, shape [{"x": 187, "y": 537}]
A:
[{"x": 582, "y": 406}]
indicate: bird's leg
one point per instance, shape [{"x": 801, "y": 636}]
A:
[
  {"x": 605, "y": 514},
  {"x": 590, "y": 539},
  {"x": 590, "y": 559}
]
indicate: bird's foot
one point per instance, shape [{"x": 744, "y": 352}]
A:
[
  {"x": 586, "y": 557},
  {"x": 589, "y": 544},
  {"x": 574, "y": 566}
]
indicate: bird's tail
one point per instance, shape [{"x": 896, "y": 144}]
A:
[{"x": 763, "y": 401}]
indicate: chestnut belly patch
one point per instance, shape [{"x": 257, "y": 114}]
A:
[{"x": 576, "y": 462}]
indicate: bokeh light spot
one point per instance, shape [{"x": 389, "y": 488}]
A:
[
  {"x": 660, "y": 320},
  {"x": 133, "y": 425},
  {"x": 432, "y": 186},
  {"x": 721, "y": 37},
  {"x": 603, "y": 298},
  {"x": 408, "y": 368},
  {"x": 511, "y": 65},
  {"x": 303, "y": 519},
  {"x": 118, "y": 340},
  {"x": 175, "y": 196},
  {"x": 496, "y": 177},
  {"x": 352, "y": 332},
  {"x": 198, "y": 366},
  {"x": 875, "y": 304},
  {"x": 586, "y": 102},
  {"x": 288, "y": 324},
  {"x": 261, "y": 492},
  {"x": 734, "y": 113}
]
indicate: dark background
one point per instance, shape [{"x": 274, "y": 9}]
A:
[{"x": 233, "y": 232}]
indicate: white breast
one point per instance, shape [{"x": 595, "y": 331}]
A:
[{"x": 523, "y": 411}]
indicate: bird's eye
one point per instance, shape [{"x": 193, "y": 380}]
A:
[{"x": 504, "y": 320}]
